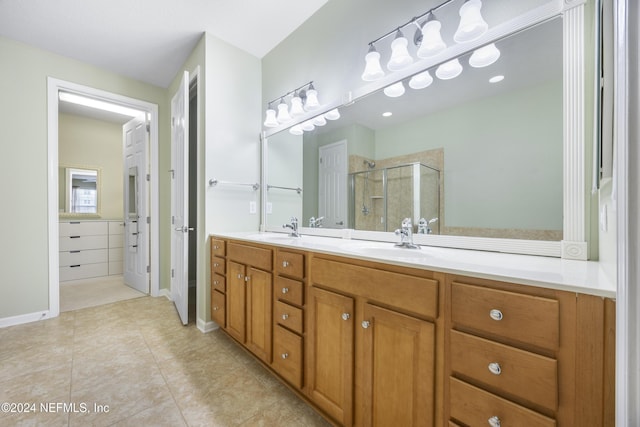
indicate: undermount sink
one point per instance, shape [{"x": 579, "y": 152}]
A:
[
  {"x": 384, "y": 250},
  {"x": 272, "y": 237}
]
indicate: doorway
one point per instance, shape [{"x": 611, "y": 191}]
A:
[
  {"x": 54, "y": 87},
  {"x": 193, "y": 193}
]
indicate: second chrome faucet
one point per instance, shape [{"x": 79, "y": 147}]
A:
[
  {"x": 293, "y": 226},
  {"x": 406, "y": 235}
]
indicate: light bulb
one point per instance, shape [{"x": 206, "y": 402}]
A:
[
  {"x": 432, "y": 43},
  {"x": 372, "y": 70},
  {"x": 332, "y": 114},
  {"x": 484, "y": 56},
  {"x": 449, "y": 70},
  {"x": 296, "y": 106},
  {"x": 421, "y": 80},
  {"x": 270, "y": 119},
  {"x": 472, "y": 25},
  {"x": 395, "y": 90},
  {"x": 283, "y": 113},
  {"x": 400, "y": 57}
]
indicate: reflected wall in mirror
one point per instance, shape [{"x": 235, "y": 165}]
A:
[
  {"x": 498, "y": 146},
  {"x": 79, "y": 191}
]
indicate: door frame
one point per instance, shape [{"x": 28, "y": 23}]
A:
[
  {"x": 53, "y": 87},
  {"x": 343, "y": 143}
]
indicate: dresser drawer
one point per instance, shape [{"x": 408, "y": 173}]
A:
[
  {"x": 218, "y": 247},
  {"x": 289, "y": 316},
  {"x": 250, "y": 255},
  {"x": 287, "y": 355},
  {"x": 289, "y": 290},
  {"x": 218, "y": 307},
  {"x": 83, "y": 228},
  {"x": 219, "y": 283},
  {"x": 83, "y": 271},
  {"x": 83, "y": 257},
  {"x": 290, "y": 264},
  {"x": 524, "y": 318},
  {"x": 218, "y": 265},
  {"x": 529, "y": 376},
  {"x": 80, "y": 243},
  {"x": 475, "y": 407}
]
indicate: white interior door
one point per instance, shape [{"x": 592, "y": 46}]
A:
[
  {"x": 136, "y": 227},
  {"x": 179, "y": 199},
  {"x": 332, "y": 184}
]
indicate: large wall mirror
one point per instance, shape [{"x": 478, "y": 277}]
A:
[
  {"x": 479, "y": 155},
  {"x": 79, "y": 191}
]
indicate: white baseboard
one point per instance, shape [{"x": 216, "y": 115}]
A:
[
  {"x": 206, "y": 327},
  {"x": 25, "y": 318},
  {"x": 165, "y": 293}
]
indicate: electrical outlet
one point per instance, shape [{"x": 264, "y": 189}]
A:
[
  {"x": 269, "y": 208},
  {"x": 252, "y": 207}
]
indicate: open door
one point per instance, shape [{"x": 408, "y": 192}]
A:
[
  {"x": 332, "y": 184},
  {"x": 179, "y": 199},
  {"x": 136, "y": 193}
]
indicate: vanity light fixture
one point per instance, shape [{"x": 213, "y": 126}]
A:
[
  {"x": 472, "y": 25},
  {"x": 296, "y": 105},
  {"x": 312, "y": 98},
  {"x": 319, "y": 120},
  {"x": 372, "y": 69},
  {"x": 431, "y": 43},
  {"x": 395, "y": 90},
  {"x": 301, "y": 100},
  {"x": 296, "y": 130},
  {"x": 270, "y": 120},
  {"x": 308, "y": 126},
  {"x": 283, "y": 112},
  {"x": 421, "y": 80},
  {"x": 449, "y": 70},
  {"x": 484, "y": 56},
  {"x": 332, "y": 114},
  {"x": 400, "y": 57}
]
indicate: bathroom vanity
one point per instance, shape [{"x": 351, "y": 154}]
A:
[{"x": 371, "y": 334}]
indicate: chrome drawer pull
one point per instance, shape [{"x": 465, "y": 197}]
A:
[
  {"x": 345, "y": 316},
  {"x": 239, "y": 276},
  {"x": 285, "y": 290},
  {"x": 496, "y": 314},
  {"x": 285, "y": 355},
  {"x": 216, "y": 247},
  {"x": 494, "y": 421},
  {"x": 285, "y": 264},
  {"x": 215, "y": 264},
  {"x": 285, "y": 316},
  {"x": 215, "y": 308},
  {"x": 495, "y": 368},
  {"x": 365, "y": 324},
  {"x": 215, "y": 282},
  {"x": 246, "y": 278}
]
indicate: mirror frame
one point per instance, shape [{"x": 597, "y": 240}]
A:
[
  {"x": 574, "y": 244},
  {"x": 98, "y": 170}
]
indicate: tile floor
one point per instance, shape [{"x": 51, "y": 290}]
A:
[
  {"x": 136, "y": 359},
  {"x": 77, "y": 294}
]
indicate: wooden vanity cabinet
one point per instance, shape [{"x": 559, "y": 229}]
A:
[
  {"x": 371, "y": 343},
  {"x": 249, "y": 291},
  {"x": 218, "y": 281}
]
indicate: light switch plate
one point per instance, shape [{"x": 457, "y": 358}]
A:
[{"x": 252, "y": 207}]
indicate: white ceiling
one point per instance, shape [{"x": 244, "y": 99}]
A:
[{"x": 149, "y": 40}]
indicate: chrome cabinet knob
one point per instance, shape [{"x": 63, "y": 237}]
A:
[
  {"x": 494, "y": 421},
  {"x": 365, "y": 324},
  {"x": 215, "y": 282},
  {"x": 495, "y": 368},
  {"x": 346, "y": 316},
  {"x": 215, "y": 264},
  {"x": 496, "y": 314},
  {"x": 216, "y": 247},
  {"x": 239, "y": 276},
  {"x": 285, "y": 264},
  {"x": 285, "y": 316},
  {"x": 215, "y": 308},
  {"x": 285, "y": 290},
  {"x": 284, "y": 355},
  {"x": 246, "y": 278}
]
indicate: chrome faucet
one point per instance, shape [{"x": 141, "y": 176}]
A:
[
  {"x": 424, "y": 226},
  {"x": 293, "y": 226},
  {"x": 315, "y": 222},
  {"x": 406, "y": 235}
]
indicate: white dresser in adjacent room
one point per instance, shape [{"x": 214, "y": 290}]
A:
[{"x": 90, "y": 249}]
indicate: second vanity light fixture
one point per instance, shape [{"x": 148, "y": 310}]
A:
[{"x": 429, "y": 43}]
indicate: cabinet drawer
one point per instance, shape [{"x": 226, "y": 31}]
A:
[
  {"x": 83, "y": 271},
  {"x": 80, "y": 243},
  {"x": 251, "y": 255},
  {"x": 116, "y": 241},
  {"x": 219, "y": 283},
  {"x": 218, "y": 265},
  {"x": 404, "y": 291},
  {"x": 524, "y": 318},
  {"x": 289, "y": 290},
  {"x": 218, "y": 307},
  {"x": 218, "y": 247},
  {"x": 529, "y": 376},
  {"x": 83, "y": 228},
  {"x": 290, "y": 264},
  {"x": 83, "y": 257},
  {"x": 474, "y": 407},
  {"x": 287, "y": 355},
  {"x": 289, "y": 316}
]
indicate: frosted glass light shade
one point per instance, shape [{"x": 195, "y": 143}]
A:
[
  {"x": 449, "y": 70},
  {"x": 312, "y": 99},
  {"x": 283, "y": 113},
  {"x": 472, "y": 25},
  {"x": 319, "y": 120},
  {"x": 372, "y": 69},
  {"x": 395, "y": 90},
  {"x": 296, "y": 106},
  {"x": 308, "y": 126},
  {"x": 421, "y": 80},
  {"x": 296, "y": 130},
  {"x": 432, "y": 43},
  {"x": 270, "y": 119},
  {"x": 400, "y": 57},
  {"x": 332, "y": 114},
  {"x": 484, "y": 56}
]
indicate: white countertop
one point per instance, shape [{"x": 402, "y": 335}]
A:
[{"x": 586, "y": 277}]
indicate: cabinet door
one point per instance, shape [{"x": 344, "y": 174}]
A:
[
  {"x": 259, "y": 319},
  {"x": 398, "y": 369},
  {"x": 236, "y": 291},
  {"x": 330, "y": 369}
]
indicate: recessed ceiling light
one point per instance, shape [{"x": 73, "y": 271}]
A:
[
  {"x": 387, "y": 114},
  {"x": 496, "y": 79}
]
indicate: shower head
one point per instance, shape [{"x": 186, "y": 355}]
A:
[{"x": 371, "y": 164}]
